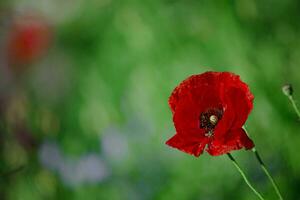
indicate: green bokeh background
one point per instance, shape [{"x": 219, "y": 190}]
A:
[{"x": 115, "y": 63}]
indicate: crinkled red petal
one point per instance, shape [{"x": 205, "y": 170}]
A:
[
  {"x": 234, "y": 140},
  {"x": 193, "y": 82},
  {"x": 191, "y": 146}
]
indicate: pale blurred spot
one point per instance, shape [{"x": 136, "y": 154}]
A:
[
  {"x": 50, "y": 155},
  {"x": 69, "y": 172},
  {"x": 87, "y": 169},
  {"x": 92, "y": 168},
  {"x": 139, "y": 127},
  {"x": 114, "y": 145}
]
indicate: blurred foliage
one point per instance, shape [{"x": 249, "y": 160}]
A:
[{"x": 103, "y": 86}]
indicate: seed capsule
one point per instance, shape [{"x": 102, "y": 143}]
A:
[
  {"x": 287, "y": 89},
  {"x": 213, "y": 119}
]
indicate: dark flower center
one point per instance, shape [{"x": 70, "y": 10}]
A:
[{"x": 209, "y": 119}]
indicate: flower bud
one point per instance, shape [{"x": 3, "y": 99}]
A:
[{"x": 287, "y": 89}]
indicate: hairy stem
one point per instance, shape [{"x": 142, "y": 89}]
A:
[
  {"x": 294, "y": 105},
  {"x": 262, "y": 165},
  {"x": 265, "y": 170},
  {"x": 244, "y": 176}
]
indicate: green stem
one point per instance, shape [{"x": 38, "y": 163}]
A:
[
  {"x": 262, "y": 165},
  {"x": 294, "y": 105},
  {"x": 265, "y": 170},
  {"x": 244, "y": 176}
]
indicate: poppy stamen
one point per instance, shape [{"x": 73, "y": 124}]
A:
[
  {"x": 209, "y": 133},
  {"x": 209, "y": 120}
]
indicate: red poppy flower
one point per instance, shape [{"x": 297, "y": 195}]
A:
[
  {"x": 209, "y": 111},
  {"x": 29, "y": 38}
]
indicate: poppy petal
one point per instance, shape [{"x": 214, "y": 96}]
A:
[
  {"x": 197, "y": 82},
  {"x": 193, "y": 147},
  {"x": 234, "y": 140},
  {"x": 236, "y": 96},
  {"x": 191, "y": 104},
  {"x": 241, "y": 106}
]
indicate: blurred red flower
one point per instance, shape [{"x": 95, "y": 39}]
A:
[
  {"x": 209, "y": 111},
  {"x": 28, "y": 39}
]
